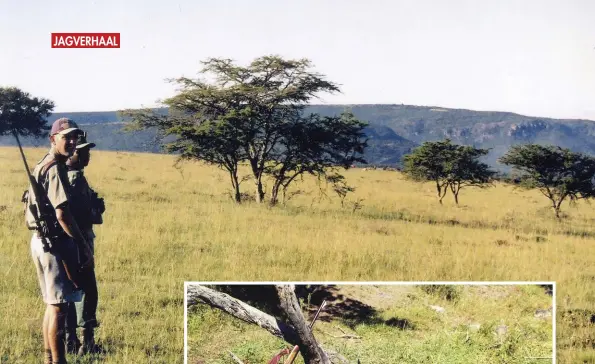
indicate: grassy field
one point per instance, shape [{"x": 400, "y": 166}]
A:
[
  {"x": 165, "y": 225},
  {"x": 395, "y": 324}
]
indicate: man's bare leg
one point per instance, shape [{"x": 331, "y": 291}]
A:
[
  {"x": 47, "y": 358},
  {"x": 55, "y": 333}
]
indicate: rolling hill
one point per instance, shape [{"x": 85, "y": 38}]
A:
[{"x": 394, "y": 130}]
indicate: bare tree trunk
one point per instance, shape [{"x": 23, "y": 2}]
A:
[
  {"x": 557, "y": 207},
  {"x": 311, "y": 351},
  {"x": 454, "y": 188},
  {"x": 241, "y": 310},
  {"x": 556, "y": 204},
  {"x": 445, "y": 189},
  {"x": 455, "y": 191},
  {"x": 259, "y": 189},
  {"x": 297, "y": 333},
  {"x": 257, "y": 173},
  {"x": 275, "y": 193},
  {"x": 236, "y": 185}
]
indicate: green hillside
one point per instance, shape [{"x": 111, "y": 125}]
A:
[{"x": 394, "y": 130}]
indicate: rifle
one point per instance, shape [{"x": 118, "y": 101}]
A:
[
  {"x": 45, "y": 230},
  {"x": 293, "y": 354},
  {"x": 322, "y": 305}
]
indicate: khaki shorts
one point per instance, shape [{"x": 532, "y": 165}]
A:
[{"x": 55, "y": 286}]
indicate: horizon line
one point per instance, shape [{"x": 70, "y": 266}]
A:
[{"x": 356, "y": 104}]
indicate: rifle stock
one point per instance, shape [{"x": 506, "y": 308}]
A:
[{"x": 293, "y": 354}]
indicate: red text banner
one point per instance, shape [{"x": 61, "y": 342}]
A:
[{"x": 85, "y": 40}]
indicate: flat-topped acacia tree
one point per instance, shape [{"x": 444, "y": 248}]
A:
[
  {"x": 558, "y": 173},
  {"x": 449, "y": 166},
  {"x": 22, "y": 114},
  {"x": 254, "y": 114}
]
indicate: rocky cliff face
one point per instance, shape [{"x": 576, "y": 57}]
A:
[
  {"x": 527, "y": 130},
  {"x": 495, "y": 130}
]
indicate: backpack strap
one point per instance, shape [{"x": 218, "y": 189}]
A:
[
  {"x": 38, "y": 179},
  {"x": 44, "y": 170},
  {"x": 42, "y": 175}
]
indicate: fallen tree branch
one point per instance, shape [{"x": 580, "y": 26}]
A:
[
  {"x": 344, "y": 336},
  {"x": 241, "y": 310},
  {"x": 340, "y": 329},
  {"x": 297, "y": 333}
]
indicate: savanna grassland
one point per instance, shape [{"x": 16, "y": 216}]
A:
[
  {"x": 395, "y": 324},
  {"x": 164, "y": 226}
]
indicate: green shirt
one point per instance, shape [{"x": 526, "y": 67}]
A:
[{"x": 81, "y": 201}]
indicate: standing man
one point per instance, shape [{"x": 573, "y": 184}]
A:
[
  {"x": 67, "y": 254},
  {"x": 87, "y": 209}
]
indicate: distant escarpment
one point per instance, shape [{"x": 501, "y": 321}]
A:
[{"x": 393, "y": 131}]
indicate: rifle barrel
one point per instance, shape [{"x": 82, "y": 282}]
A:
[
  {"x": 22, "y": 154},
  {"x": 317, "y": 313}
]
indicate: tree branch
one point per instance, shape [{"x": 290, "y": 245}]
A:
[{"x": 238, "y": 309}]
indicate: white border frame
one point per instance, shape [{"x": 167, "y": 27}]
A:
[{"x": 379, "y": 283}]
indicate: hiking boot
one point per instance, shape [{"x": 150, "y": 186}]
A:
[
  {"x": 89, "y": 346},
  {"x": 73, "y": 346}
]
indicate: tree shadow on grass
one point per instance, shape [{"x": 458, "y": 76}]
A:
[{"x": 349, "y": 311}]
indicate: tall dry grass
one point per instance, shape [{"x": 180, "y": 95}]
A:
[{"x": 165, "y": 225}]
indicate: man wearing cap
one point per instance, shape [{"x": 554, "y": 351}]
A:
[
  {"x": 68, "y": 253},
  {"x": 87, "y": 209}
]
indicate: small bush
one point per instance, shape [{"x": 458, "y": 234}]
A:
[{"x": 444, "y": 291}]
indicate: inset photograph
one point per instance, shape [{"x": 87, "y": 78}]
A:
[{"x": 376, "y": 322}]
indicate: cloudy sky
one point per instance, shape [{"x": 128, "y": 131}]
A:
[{"x": 530, "y": 57}]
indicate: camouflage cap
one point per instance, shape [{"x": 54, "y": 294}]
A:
[
  {"x": 82, "y": 142},
  {"x": 63, "y": 126}
]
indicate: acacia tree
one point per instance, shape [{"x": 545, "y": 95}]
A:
[
  {"x": 428, "y": 163},
  {"x": 449, "y": 166},
  {"x": 465, "y": 170},
  {"x": 244, "y": 114},
  {"x": 22, "y": 114},
  {"x": 212, "y": 136},
  {"x": 556, "y": 172},
  {"x": 317, "y": 146},
  {"x": 292, "y": 327}
]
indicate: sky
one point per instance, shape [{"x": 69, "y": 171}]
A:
[{"x": 535, "y": 58}]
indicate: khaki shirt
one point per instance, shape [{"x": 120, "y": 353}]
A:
[{"x": 54, "y": 185}]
